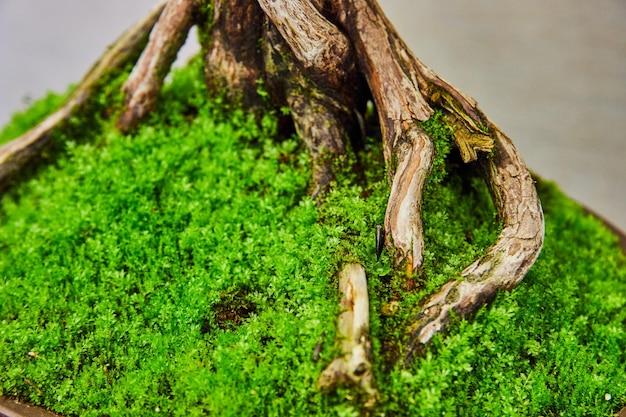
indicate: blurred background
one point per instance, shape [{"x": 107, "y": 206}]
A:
[{"x": 551, "y": 74}]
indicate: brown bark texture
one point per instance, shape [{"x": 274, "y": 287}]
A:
[
  {"x": 146, "y": 79},
  {"x": 323, "y": 60}
]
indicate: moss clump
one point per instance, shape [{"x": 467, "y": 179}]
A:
[{"x": 119, "y": 263}]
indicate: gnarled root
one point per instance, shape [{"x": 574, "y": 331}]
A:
[
  {"x": 505, "y": 264},
  {"x": 404, "y": 90},
  {"x": 324, "y": 125},
  {"x": 146, "y": 79},
  {"x": 16, "y": 154},
  {"x": 312, "y": 63},
  {"x": 354, "y": 365},
  {"x": 323, "y": 51},
  {"x": 391, "y": 74}
]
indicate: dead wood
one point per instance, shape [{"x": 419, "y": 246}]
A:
[{"x": 354, "y": 364}]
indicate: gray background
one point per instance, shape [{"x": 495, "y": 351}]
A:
[{"x": 551, "y": 73}]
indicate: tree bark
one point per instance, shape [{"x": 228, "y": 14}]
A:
[
  {"x": 310, "y": 63},
  {"x": 233, "y": 56}
]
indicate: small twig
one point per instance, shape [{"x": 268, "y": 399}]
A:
[
  {"x": 29, "y": 382},
  {"x": 354, "y": 365},
  {"x": 34, "y": 354},
  {"x": 317, "y": 351}
]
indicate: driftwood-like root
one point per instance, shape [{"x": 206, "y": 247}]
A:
[
  {"x": 403, "y": 217},
  {"x": 145, "y": 81},
  {"x": 16, "y": 154},
  {"x": 504, "y": 264},
  {"x": 405, "y": 91},
  {"x": 390, "y": 72},
  {"x": 354, "y": 366}
]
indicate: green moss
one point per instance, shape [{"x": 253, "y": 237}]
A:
[
  {"x": 182, "y": 270},
  {"x": 85, "y": 125},
  {"x": 442, "y": 136}
]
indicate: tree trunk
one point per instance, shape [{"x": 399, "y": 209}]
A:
[{"x": 323, "y": 60}]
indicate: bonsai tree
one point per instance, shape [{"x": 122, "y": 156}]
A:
[
  {"x": 324, "y": 61},
  {"x": 337, "y": 74}
]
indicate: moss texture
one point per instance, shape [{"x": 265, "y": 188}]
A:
[{"x": 183, "y": 270}]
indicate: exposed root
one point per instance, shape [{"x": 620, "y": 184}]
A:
[
  {"x": 324, "y": 52},
  {"x": 389, "y": 69},
  {"x": 145, "y": 81},
  {"x": 354, "y": 365},
  {"x": 404, "y": 90},
  {"x": 312, "y": 63},
  {"x": 403, "y": 217},
  {"x": 324, "y": 126},
  {"x": 16, "y": 154},
  {"x": 505, "y": 264}
]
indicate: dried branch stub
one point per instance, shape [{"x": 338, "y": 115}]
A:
[{"x": 354, "y": 366}]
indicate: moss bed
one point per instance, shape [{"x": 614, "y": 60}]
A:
[{"x": 182, "y": 270}]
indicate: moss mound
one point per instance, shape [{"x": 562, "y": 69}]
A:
[{"x": 183, "y": 270}]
